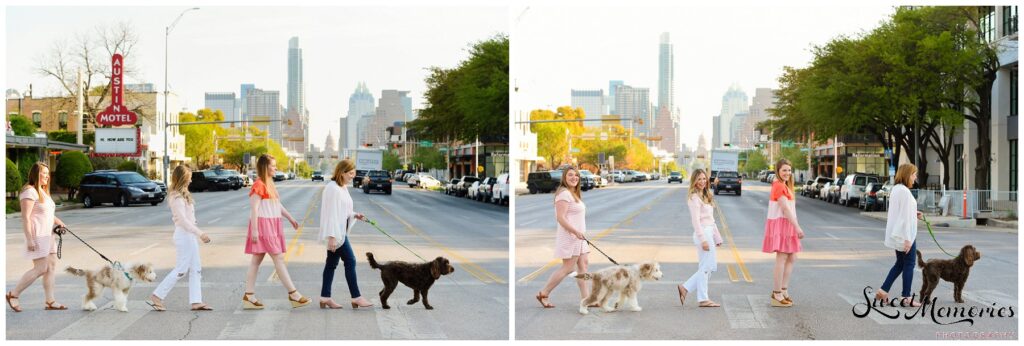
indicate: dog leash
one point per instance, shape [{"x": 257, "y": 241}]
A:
[
  {"x": 929, "y": 225},
  {"x": 60, "y": 230},
  {"x": 599, "y": 250}
]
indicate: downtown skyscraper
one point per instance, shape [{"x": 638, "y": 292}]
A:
[
  {"x": 666, "y": 74},
  {"x": 361, "y": 104},
  {"x": 296, "y": 127}
]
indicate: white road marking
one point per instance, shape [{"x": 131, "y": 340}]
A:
[
  {"x": 257, "y": 324},
  {"x": 831, "y": 236},
  {"x": 136, "y": 252},
  {"x": 746, "y": 311},
  {"x": 213, "y": 221},
  {"x": 103, "y": 324},
  {"x": 600, "y": 322},
  {"x": 407, "y": 322}
]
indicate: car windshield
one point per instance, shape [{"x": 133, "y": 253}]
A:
[
  {"x": 470, "y": 179},
  {"x": 675, "y": 174},
  {"x": 225, "y": 173},
  {"x": 317, "y": 173},
  {"x": 131, "y": 178}
]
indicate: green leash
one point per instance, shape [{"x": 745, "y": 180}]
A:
[
  {"x": 392, "y": 238},
  {"x": 929, "y": 225}
]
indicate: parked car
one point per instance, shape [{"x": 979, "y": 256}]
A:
[
  {"x": 427, "y": 181},
  {"x": 484, "y": 192},
  {"x": 770, "y": 177},
  {"x": 806, "y": 188},
  {"x": 763, "y": 176},
  {"x": 252, "y": 176},
  {"x": 207, "y": 180},
  {"x": 882, "y": 196},
  {"x": 473, "y": 190},
  {"x": 462, "y": 188},
  {"x": 823, "y": 191},
  {"x": 600, "y": 181},
  {"x": 588, "y": 180},
  {"x": 405, "y": 176},
  {"x": 234, "y": 178},
  {"x": 728, "y": 181},
  {"x": 617, "y": 176},
  {"x": 833, "y": 192},
  {"x": 644, "y": 176},
  {"x": 656, "y": 176},
  {"x": 853, "y": 188},
  {"x": 675, "y": 176},
  {"x": 816, "y": 185},
  {"x": 120, "y": 188},
  {"x": 377, "y": 181},
  {"x": 869, "y": 202},
  {"x": 318, "y": 175},
  {"x": 543, "y": 182},
  {"x": 279, "y": 176},
  {"x": 357, "y": 182},
  {"x": 450, "y": 187}
]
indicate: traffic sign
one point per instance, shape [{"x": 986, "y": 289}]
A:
[
  {"x": 426, "y": 144},
  {"x": 575, "y": 150}
]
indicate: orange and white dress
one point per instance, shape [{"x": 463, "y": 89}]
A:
[
  {"x": 779, "y": 234},
  {"x": 270, "y": 232}
]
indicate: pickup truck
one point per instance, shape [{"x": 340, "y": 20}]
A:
[
  {"x": 728, "y": 181},
  {"x": 377, "y": 180}
]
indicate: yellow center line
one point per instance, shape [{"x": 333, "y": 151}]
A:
[
  {"x": 732, "y": 245},
  {"x": 602, "y": 234},
  {"x": 472, "y": 268},
  {"x": 295, "y": 239},
  {"x": 732, "y": 273}
]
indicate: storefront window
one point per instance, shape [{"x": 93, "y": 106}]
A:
[{"x": 987, "y": 14}]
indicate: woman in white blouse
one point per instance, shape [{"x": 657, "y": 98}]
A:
[
  {"x": 186, "y": 241},
  {"x": 704, "y": 233},
  {"x": 901, "y": 234},
  {"x": 336, "y": 219}
]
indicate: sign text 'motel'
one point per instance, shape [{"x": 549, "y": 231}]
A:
[{"x": 117, "y": 113}]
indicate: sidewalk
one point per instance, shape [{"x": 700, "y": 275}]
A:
[
  {"x": 61, "y": 207},
  {"x": 953, "y": 221}
]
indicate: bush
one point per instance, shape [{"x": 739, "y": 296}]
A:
[
  {"x": 21, "y": 125},
  {"x": 130, "y": 166},
  {"x": 88, "y": 138},
  {"x": 73, "y": 165},
  {"x": 100, "y": 163},
  {"x": 13, "y": 206},
  {"x": 25, "y": 161},
  {"x": 13, "y": 177}
]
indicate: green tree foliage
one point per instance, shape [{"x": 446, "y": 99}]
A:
[
  {"x": 21, "y": 125},
  {"x": 199, "y": 138},
  {"x": 88, "y": 138},
  {"x": 130, "y": 166},
  {"x": 25, "y": 161},
  {"x": 470, "y": 100},
  {"x": 428, "y": 158},
  {"x": 755, "y": 163},
  {"x": 100, "y": 163},
  {"x": 391, "y": 161},
  {"x": 13, "y": 183},
  {"x": 302, "y": 170},
  {"x": 553, "y": 138},
  {"x": 70, "y": 169}
]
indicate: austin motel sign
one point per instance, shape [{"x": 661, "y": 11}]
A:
[{"x": 117, "y": 113}]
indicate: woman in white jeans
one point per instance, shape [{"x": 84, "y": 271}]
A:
[
  {"x": 704, "y": 229},
  {"x": 186, "y": 241}
]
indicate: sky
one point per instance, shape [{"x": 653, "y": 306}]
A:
[
  {"x": 559, "y": 48},
  {"x": 217, "y": 48}
]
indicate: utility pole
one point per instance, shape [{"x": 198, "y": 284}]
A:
[{"x": 81, "y": 101}]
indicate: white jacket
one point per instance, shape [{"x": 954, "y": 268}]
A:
[
  {"x": 901, "y": 223},
  {"x": 336, "y": 213}
]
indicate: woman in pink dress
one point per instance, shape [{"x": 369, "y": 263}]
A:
[
  {"x": 570, "y": 246},
  {"x": 37, "y": 220},
  {"x": 782, "y": 232},
  {"x": 266, "y": 235}
]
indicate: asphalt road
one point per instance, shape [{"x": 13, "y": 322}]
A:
[
  {"x": 472, "y": 303},
  {"x": 843, "y": 254}
]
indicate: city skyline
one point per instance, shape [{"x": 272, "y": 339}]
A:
[
  {"x": 249, "y": 45},
  {"x": 749, "y": 47}
]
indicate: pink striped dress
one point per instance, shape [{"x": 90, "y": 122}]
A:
[
  {"x": 567, "y": 245},
  {"x": 270, "y": 238},
  {"x": 779, "y": 233}
]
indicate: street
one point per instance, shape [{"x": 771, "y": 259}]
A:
[
  {"x": 471, "y": 303},
  {"x": 842, "y": 254}
]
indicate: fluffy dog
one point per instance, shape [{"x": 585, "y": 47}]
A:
[
  {"x": 953, "y": 270},
  {"x": 624, "y": 280},
  {"x": 417, "y": 276},
  {"x": 113, "y": 279}
]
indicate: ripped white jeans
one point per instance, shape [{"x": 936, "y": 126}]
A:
[
  {"x": 187, "y": 245},
  {"x": 706, "y": 265}
]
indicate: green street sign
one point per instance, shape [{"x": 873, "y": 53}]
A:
[
  {"x": 575, "y": 150},
  {"x": 426, "y": 144},
  {"x": 787, "y": 144}
]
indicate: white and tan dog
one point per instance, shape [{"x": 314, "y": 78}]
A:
[
  {"x": 624, "y": 280},
  {"x": 114, "y": 279}
]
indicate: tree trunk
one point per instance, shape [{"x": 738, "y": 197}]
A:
[{"x": 983, "y": 119}]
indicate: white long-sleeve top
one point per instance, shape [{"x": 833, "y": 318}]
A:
[
  {"x": 336, "y": 213},
  {"x": 901, "y": 223},
  {"x": 702, "y": 215},
  {"x": 183, "y": 214}
]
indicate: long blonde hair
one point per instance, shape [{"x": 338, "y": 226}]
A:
[
  {"x": 778, "y": 176},
  {"x": 705, "y": 193},
  {"x": 179, "y": 183},
  {"x": 575, "y": 191},
  {"x": 263, "y": 173},
  {"x": 33, "y": 180}
]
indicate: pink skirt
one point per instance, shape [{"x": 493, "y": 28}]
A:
[
  {"x": 270, "y": 239},
  {"x": 780, "y": 236},
  {"x": 45, "y": 246},
  {"x": 567, "y": 246}
]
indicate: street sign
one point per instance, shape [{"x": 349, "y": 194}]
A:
[
  {"x": 575, "y": 150},
  {"x": 117, "y": 113},
  {"x": 426, "y": 144},
  {"x": 787, "y": 144},
  {"x": 600, "y": 158},
  {"x": 117, "y": 142},
  {"x": 245, "y": 158},
  {"x": 220, "y": 151}
]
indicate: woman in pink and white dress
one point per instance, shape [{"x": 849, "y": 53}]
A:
[
  {"x": 37, "y": 219},
  {"x": 570, "y": 246},
  {"x": 782, "y": 232},
  {"x": 266, "y": 235}
]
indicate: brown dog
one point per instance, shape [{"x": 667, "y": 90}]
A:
[
  {"x": 116, "y": 280},
  {"x": 417, "y": 276},
  {"x": 953, "y": 270}
]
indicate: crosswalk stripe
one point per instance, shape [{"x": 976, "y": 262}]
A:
[
  {"x": 103, "y": 324},
  {"x": 401, "y": 322}
]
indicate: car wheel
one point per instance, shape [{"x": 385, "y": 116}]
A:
[
  {"x": 122, "y": 201},
  {"x": 388, "y": 191},
  {"x": 716, "y": 192},
  {"x": 87, "y": 200},
  {"x": 533, "y": 191},
  {"x": 739, "y": 192},
  {"x": 154, "y": 203},
  {"x": 366, "y": 191}
]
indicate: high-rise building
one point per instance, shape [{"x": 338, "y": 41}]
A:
[
  {"x": 716, "y": 124},
  {"x": 243, "y": 102},
  {"x": 764, "y": 99},
  {"x": 343, "y": 137},
  {"x": 592, "y": 102},
  {"x": 360, "y": 104},
  {"x": 665, "y": 127},
  {"x": 739, "y": 139},
  {"x": 223, "y": 101},
  {"x": 612, "y": 85},
  {"x": 390, "y": 110},
  {"x": 733, "y": 102},
  {"x": 296, "y": 87},
  {"x": 634, "y": 103},
  {"x": 266, "y": 105},
  {"x": 666, "y": 74}
]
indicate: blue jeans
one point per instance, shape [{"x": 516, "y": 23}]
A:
[
  {"x": 905, "y": 262},
  {"x": 344, "y": 253}
]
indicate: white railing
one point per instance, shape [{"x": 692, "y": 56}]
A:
[{"x": 951, "y": 202}]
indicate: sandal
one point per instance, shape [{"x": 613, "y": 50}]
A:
[
  {"x": 302, "y": 301},
  {"x": 16, "y": 308},
  {"x": 779, "y": 303},
  {"x": 540, "y": 298},
  {"x": 785, "y": 296},
  {"x": 249, "y": 304},
  {"x": 709, "y": 304},
  {"x": 682, "y": 294},
  {"x": 53, "y": 305},
  {"x": 203, "y": 307},
  {"x": 156, "y": 306}
]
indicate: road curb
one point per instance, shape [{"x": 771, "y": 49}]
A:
[
  {"x": 62, "y": 207},
  {"x": 991, "y": 226}
]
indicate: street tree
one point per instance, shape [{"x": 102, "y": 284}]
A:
[
  {"x": 72, "y": 166},
  {"x": 21, "y": 125},
  {"x": 553, "y": 138},
  {"x": 13, "y": 183}
]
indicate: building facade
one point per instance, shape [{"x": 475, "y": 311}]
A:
[
  {"x": 591, "y": 101},
  {"x": 223, "y": 101},
  {"x": 666, "y": 74},
  {"x": 635, "y": 105},
  {"x": 265, "y": 105},
  {"x": 733, "y": 102}
]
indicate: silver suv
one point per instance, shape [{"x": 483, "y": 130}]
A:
[{"x": 853, "y": 188}]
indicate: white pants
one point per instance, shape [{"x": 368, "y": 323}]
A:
[
  {"x": 187, "y": 245},
  {"x": 706, "y": 265}
]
